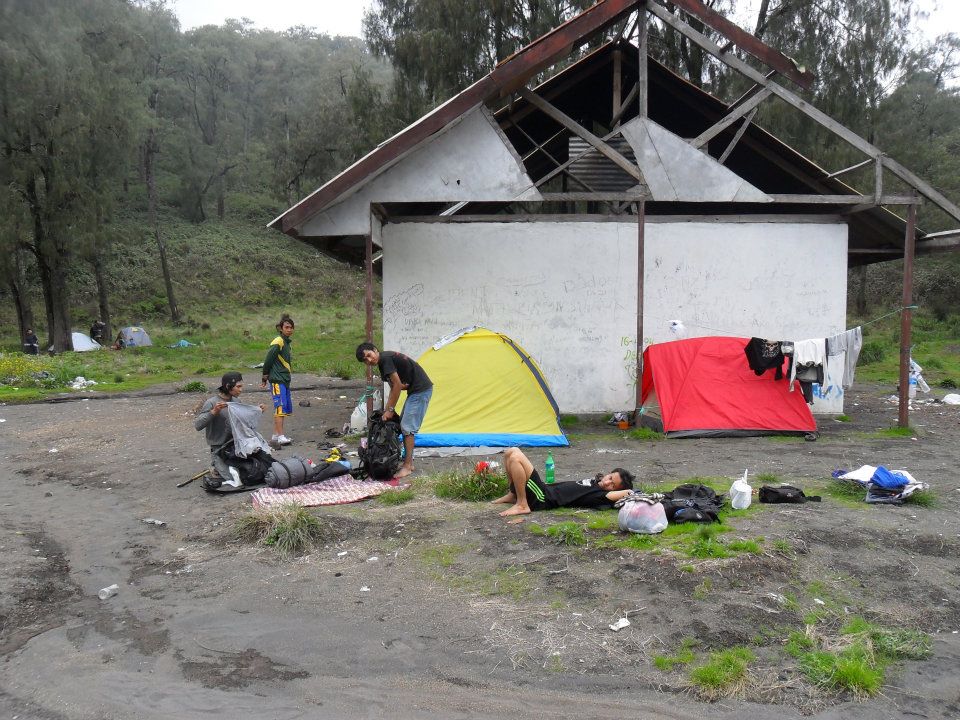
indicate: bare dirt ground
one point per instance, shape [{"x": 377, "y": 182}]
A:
[{"x": 438, "y": 609}]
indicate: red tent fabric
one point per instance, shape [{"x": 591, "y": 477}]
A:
[{"x": 704, "y": 387}]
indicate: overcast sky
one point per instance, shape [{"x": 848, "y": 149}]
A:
[{"x": 343, "y": 17}]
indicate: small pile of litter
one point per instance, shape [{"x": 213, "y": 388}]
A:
[{"x": 81, "y": 383}]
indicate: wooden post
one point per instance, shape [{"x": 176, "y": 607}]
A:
[
  {"x": 617, "y": 82},
  {"x": 368, "y": 301},
  {"x": 909, "y": 247},
  {"x": 641, "y": 206}
]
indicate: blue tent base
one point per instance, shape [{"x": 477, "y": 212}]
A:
[{"x": 490, "y": 440}]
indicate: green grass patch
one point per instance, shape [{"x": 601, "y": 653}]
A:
[
  {"x": 746, "y": 546},
  {"x": 469, "y": 487},
  {"x": 922, "y": 498},
  {"x": 645, "y": 434},
  {"x": 683, "y": 656},
  {"x": 289, "y": 529},
  {"x": 605, "y": 521},
  {"x": 851, "y": 669},
  {"x": 194, "y": 386},
  {"x": 567, "y": 533},
  {"x": 396, "y": 497},
  {"x": 567, "y": 421},
  {"x": 441, "y": 555},
  {"x": 894, "y": 432},
  {"x": 723, "y": 674},
  {"x": 848, "y": 490},
  {"x": 782, "y": 546},
  {"x": 842, "y": 418},
  {"x": 702, "y": 591}
]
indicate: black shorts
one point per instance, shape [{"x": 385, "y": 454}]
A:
[{"x": 537, "y": 493}]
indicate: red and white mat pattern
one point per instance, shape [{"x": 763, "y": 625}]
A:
[{"x": 336, "y": 491}]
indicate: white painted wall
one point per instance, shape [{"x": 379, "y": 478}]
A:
[{"x": 566, "y": 291}]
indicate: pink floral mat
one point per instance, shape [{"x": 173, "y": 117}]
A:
[{"x": 335, "y": 491}]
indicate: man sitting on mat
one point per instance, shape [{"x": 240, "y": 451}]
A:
[{"x": 528, "y": 492}]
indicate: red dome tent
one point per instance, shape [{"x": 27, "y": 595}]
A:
[{"x": 703, "y": 387}]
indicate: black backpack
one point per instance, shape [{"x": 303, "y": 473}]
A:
[
  {"x": 692, "y": 503},
  {"x": 785, "y": 494},
  {"x": 380, "y": 459},
  {"x": 252, "y": 469}
]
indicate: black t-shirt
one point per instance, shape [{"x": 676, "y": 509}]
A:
[
  {"x": 580, "y": 493},
  {"x": 410, "y": 373}
]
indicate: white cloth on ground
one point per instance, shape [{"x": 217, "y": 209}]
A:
[
  {"x": 864, "y": 473},
  {"x": 243, "y": 426},
  {"x": 850, "y": 343},
  {"x": 807, "y": 352}
]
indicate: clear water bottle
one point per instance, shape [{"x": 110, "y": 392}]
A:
[{"x": 550, "y": 469}]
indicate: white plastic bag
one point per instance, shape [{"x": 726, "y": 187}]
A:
[
  {"x": 741, "y": 493},
  {"x": 641, "y": 517},
  {"x": 358, "y": 419}
]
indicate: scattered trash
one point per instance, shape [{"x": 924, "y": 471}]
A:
[
  {"x": 304, "y": 403},
  {"x": 182, "y": 344},
  {"x": 343, "y": 397},
  {"x": 741, "y": 493},
  {"x": 620, "y": 625},
  {"x": 81, "y": 383},
  {"x": 154, "y": 521},
  {"x": 53, "y": 450},
  {"x": 951, "y": 399},
  {"x": 818, "y": 601},
  {"x": 373, "y": 558},
  {"x": 364, "y": 589},
  {"x": 4, "y": 419},
  {"x": 333, "y": 433},
  {"x": 341, "y": 554},
  {"x": 484, "y": 466},
  {"x": 108, "y": 592}
]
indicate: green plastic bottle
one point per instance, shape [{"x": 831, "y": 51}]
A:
[{"x": 550, "y": 469}]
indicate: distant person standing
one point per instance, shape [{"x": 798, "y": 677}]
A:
[
  {"x": 402, "y": 373},
  {"x": 276, "y": 371},
  {"x": 31, "y": 344},
  {"x": 97, "y": 331}
]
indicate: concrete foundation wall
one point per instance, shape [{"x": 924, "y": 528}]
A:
[{"x": 566, "y": 291}]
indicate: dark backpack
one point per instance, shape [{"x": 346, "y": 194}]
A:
[
  {"x": 380, "y": 459},
  {"x": 252, "y": 469},
  {"x": 692, "y": 503},
  {"x": 785, "y": 494}
]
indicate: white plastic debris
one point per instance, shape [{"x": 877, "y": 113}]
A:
[
  {"x": 154, "y": 521},
  {"x": 620, "y": 625},
  {"x": 364, "y": 589},
  {"x": 341, "y": 554},
  {"x": 53, "y": 450},
  {"x": 951, "y": 399},
  {"x": 373, "y": 559},
  {"x": 81, "y": 383},
  {"x": 818, "y": 601},
  {"x": 108, "y": 592}
]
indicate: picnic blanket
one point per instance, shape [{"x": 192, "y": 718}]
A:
[{"x": 336, "y": 491}]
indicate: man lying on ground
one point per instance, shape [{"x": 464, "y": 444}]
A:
[
  {"x": 213, "y": 420},
  {"x": 528, "y": 492}
]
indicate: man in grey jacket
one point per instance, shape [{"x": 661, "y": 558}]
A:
[{"x": 213, "y": 420}]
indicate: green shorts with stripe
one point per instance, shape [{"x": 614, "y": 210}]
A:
[{"x": 537, "y": 494}]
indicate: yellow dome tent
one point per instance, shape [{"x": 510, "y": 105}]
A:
[{"x": 487, "y": 390}]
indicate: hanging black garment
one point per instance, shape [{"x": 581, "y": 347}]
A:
[{"x": 763, "y": 355}]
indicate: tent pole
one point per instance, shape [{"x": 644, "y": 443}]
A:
[
  {"x": 906, "y": 316},
  {"x": 368, "y": 302}
]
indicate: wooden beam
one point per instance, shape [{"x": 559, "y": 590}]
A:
[
  {"x": 878, "y": 180},
  {"x": 870, "y": 200},
  {"x": 643, "y": 94},
  {"x": 942, "y": 234},
  {"x": 943, "y": 245},
  {"x": 729, "y": 119},
  {"x": 745, "y": 41},
  {"x": 642, "y": 193},
  {"x": 631, "y": 96},
  {"x": 553, "y": 159},
  {"x": 859, "y": 165},
  {"x": 576, "y": 128},
  {"x": 874, "y": 251},
  {"x": 736, "y": 138},
  {"x": 906, "y": 316},
  {"x": 617, "y": 81},
  {"x": 822, "y": 118}
]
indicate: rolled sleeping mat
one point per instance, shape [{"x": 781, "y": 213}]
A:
[
  {"x": 288, "y": 473},
  {"x": 327, "y": 470}
]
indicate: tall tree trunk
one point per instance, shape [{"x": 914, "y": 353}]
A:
[
  {"x": 103, "y": 299},
  {"x": 60, "y": 297},
  {"x": 150, "y": 150},
  {"x": 861, "y": 302},
  {"x": 19, "y": 290},
  {"x": 221, "y": 201}
]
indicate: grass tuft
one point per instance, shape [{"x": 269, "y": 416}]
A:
[
  {"x": 194, "y": 386},
  {"x": 396, "y": 497},
  {"x": 644, "y": 433},
  {"x": 289, "y": 529},
  {"x": 470, "y": 487},
  {"x": 567, "y": 533},
  {"x": 723, "y": 674}
]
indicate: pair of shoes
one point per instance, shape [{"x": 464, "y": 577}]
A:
[{"x": 280, "y": 440}]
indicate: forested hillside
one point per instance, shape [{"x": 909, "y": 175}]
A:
[{"x": 141, "y": 162}]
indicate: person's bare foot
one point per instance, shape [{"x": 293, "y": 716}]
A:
[
  {"x": 509, "y": 498},
  {"x": 403, "y": 472},
  {"x": 515, "y": 510}
]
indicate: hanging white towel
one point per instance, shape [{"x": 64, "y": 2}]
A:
[{"x": 807, "y": 352}]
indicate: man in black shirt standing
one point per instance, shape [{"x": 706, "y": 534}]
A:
[
  {"x": 402, "y": 373},
  {"x": 528, "y": 492}
]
